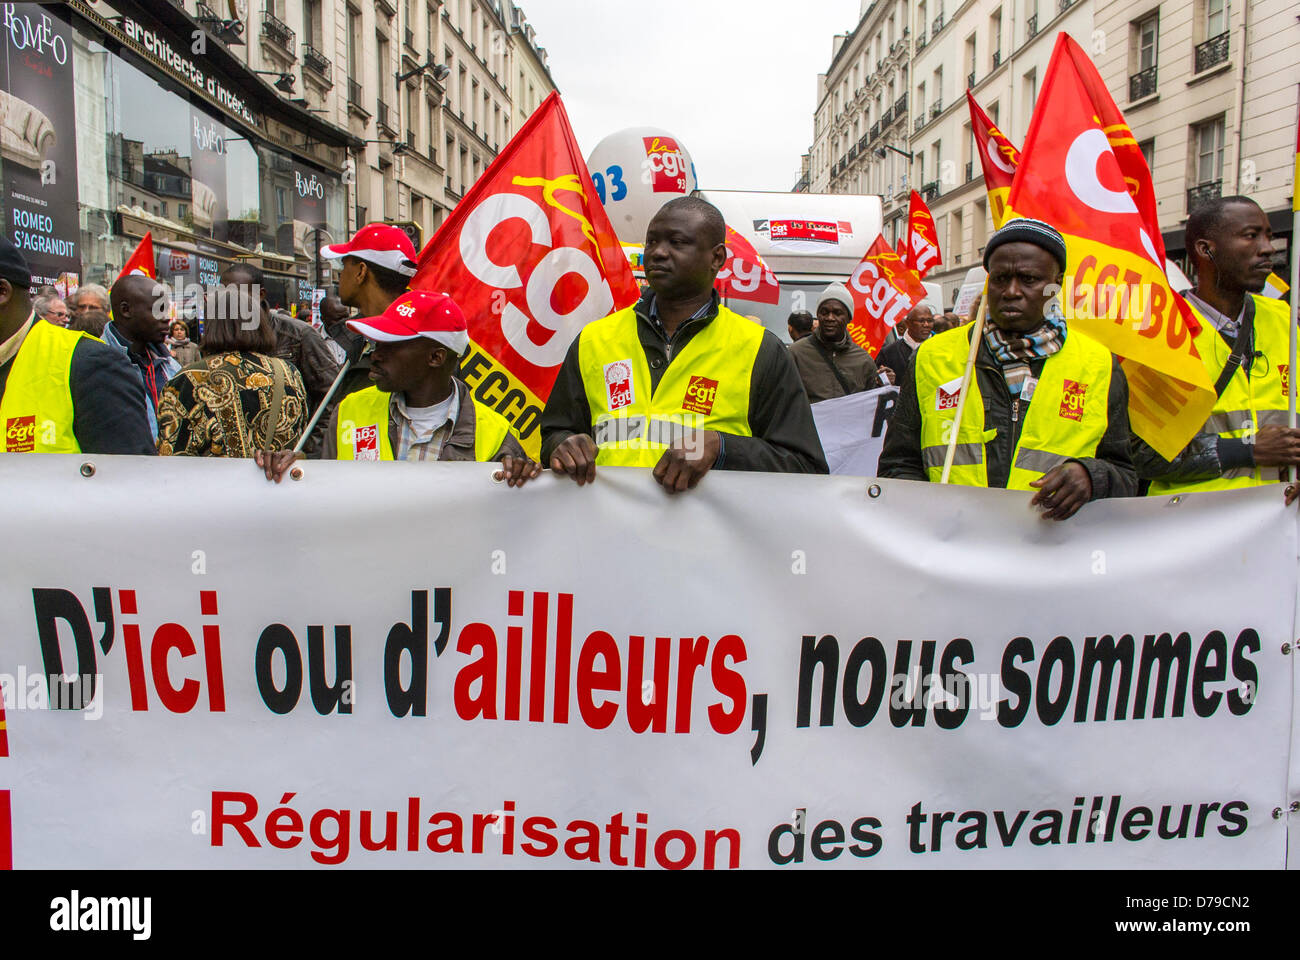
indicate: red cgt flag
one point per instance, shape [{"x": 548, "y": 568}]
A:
[
  {"x": 998, "y": 159},
  {"x": 923, "y": 242},
  {"x": 884, "y": 289},
  {"x": 1082, "y": 172},
  {"x": 745, "y": 276},
  {"x": 141, "y": 261},
  {"x": 530, "y": 256}
]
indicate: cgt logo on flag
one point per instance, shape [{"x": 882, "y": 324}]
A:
[
  {"x": 366, "y": 442},
  {"x": 1072, "y": 399},
  {"x": 618, "y": 384},
  {"x": 20, "y": 434},
  {"x": 701, "y": 393},
  {"x": 947, "y": 395}
]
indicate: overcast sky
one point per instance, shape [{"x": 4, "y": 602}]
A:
[{"x": 734, "y": 80}]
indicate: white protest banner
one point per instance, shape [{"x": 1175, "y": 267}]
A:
[
  {"x": 409, "y": 665},
  {"x": 852, "y": 430}
]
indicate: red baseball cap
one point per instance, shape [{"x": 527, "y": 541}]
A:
[
  {"x": 379, "y": 243},
  {"x": 418, "y": 313}
]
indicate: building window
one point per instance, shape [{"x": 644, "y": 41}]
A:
[
  {"x": 354, "y": 44},
  {"x": 1142, "y": 81},
  {"x": 1208, "y": 138},
  {"x": 1216, "y": 18},
  {"x": 1148, "y": 148},
  {"x": 1147, "y": 31}
]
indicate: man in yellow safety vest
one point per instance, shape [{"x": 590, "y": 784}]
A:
[
  {"x": 1244, "y": 343},
  {"x": 1048, "y": 408},
  {"x": 61, "y": 391},
  {"x": 678, "y": 383},
  {"x": 417, "y": 410}
]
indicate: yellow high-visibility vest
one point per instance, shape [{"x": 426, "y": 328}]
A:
[
  {"x": 36, "y": 410},
  {"x": 705, "y": 387},
  {"x": 1248, "y": 403},
  {"x": 1066, "y": 417},
  {"x": 363, "y": 428}
]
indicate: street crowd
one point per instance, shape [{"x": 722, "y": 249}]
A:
[{"x": 678, "y": 383}]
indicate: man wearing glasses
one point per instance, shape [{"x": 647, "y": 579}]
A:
[{"x": 1245, "y": 346}]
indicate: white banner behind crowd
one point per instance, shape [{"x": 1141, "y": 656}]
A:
[
  {"x": 413, "y": 666},
  {"x": 852, "y": 430}
]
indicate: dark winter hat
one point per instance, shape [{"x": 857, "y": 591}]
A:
[
  {"x": 1028, "y": 231},
  {"x": 13, "y": 266}
]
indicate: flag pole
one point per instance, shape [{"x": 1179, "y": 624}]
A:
[
  {"x": 976, "y": 334},
  {"x": 1295, "y": 294},
  {"x": 1295, "y": 317}
]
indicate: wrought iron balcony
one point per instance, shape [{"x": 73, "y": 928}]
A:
[
  {"x": 278, "y": 32},
  {"x": 1064, "y": 5},
  {"x": 1031, "y": 26},
  {"x": 920, "y": 41},
  {"x": 1202, "y": 193},
  {"x": 313, "y": 59},
  {"x": 930, "y": 191},
  {"x": 410, "y": 139},
  {"x": 862, "y": 144},
  {"x": 354, "y": 92},
  {"x": 997, "y": 59},
  {"x": 433, "y": 154},
  {"x": 900, "y": 106},
  {"x": 970, "y": 79},
  {"x": 936, "y": 108},
  {"x": 970, "y": 170},
  {"x": 1212, "y": 52},
  {"x": 1142, "y": 84},
  {"x": 920, "y": 122},
  {"x": 853, "y": 152},
  {"x": 382, "y": 116},
  {"x": 937, "y": 25},
  {"x": 875, "y": 130}
]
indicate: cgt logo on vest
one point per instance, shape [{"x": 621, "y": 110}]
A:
[
  {"x": 1284, "y": 371},
  {"x": 619, "y": 392},
  {"x": 20, "y": 434},
  {"x": 1072, "y": 399},
  {"x": 701, "y": 393},
  {"x": 947, "y": 395},
  {"x": 366, "y": 442}
]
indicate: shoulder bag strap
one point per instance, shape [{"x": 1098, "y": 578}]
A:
[
  {"x": 829, "y": 357},
  {"x": 277, "y": 401}
]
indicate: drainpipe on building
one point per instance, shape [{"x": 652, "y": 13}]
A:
[{"x": 1241, "y": 95}]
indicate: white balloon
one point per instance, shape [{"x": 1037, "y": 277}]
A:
[{"x": 635, "y": 172}]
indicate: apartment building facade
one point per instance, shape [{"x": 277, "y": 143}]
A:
[
  {"x": 860, "y": 129},
  {"x": 999, "y": 49},
  {"x": 1209, "y": 88},
  {"x": 256, "y": 130}
]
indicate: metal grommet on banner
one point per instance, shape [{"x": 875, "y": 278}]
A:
[
  {"x": 1295, "y": 805},
  {"x": 1277, "y": 813},
  {"x": 873, "y": 491},
  {"x": 296, "y": 473},
  {"x": 1286, "y": 649},
  {"x": 87, "y": 469},
  {"x": 1174, "y": 500}
]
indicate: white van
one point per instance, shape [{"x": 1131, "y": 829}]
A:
[{"x": 809, "y": 240}]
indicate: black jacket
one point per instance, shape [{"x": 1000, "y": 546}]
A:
[
  {"x": 107, "y": 400},
  {"x": 784, "y": 437},
  {"x": 1111, "y": 471}
]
